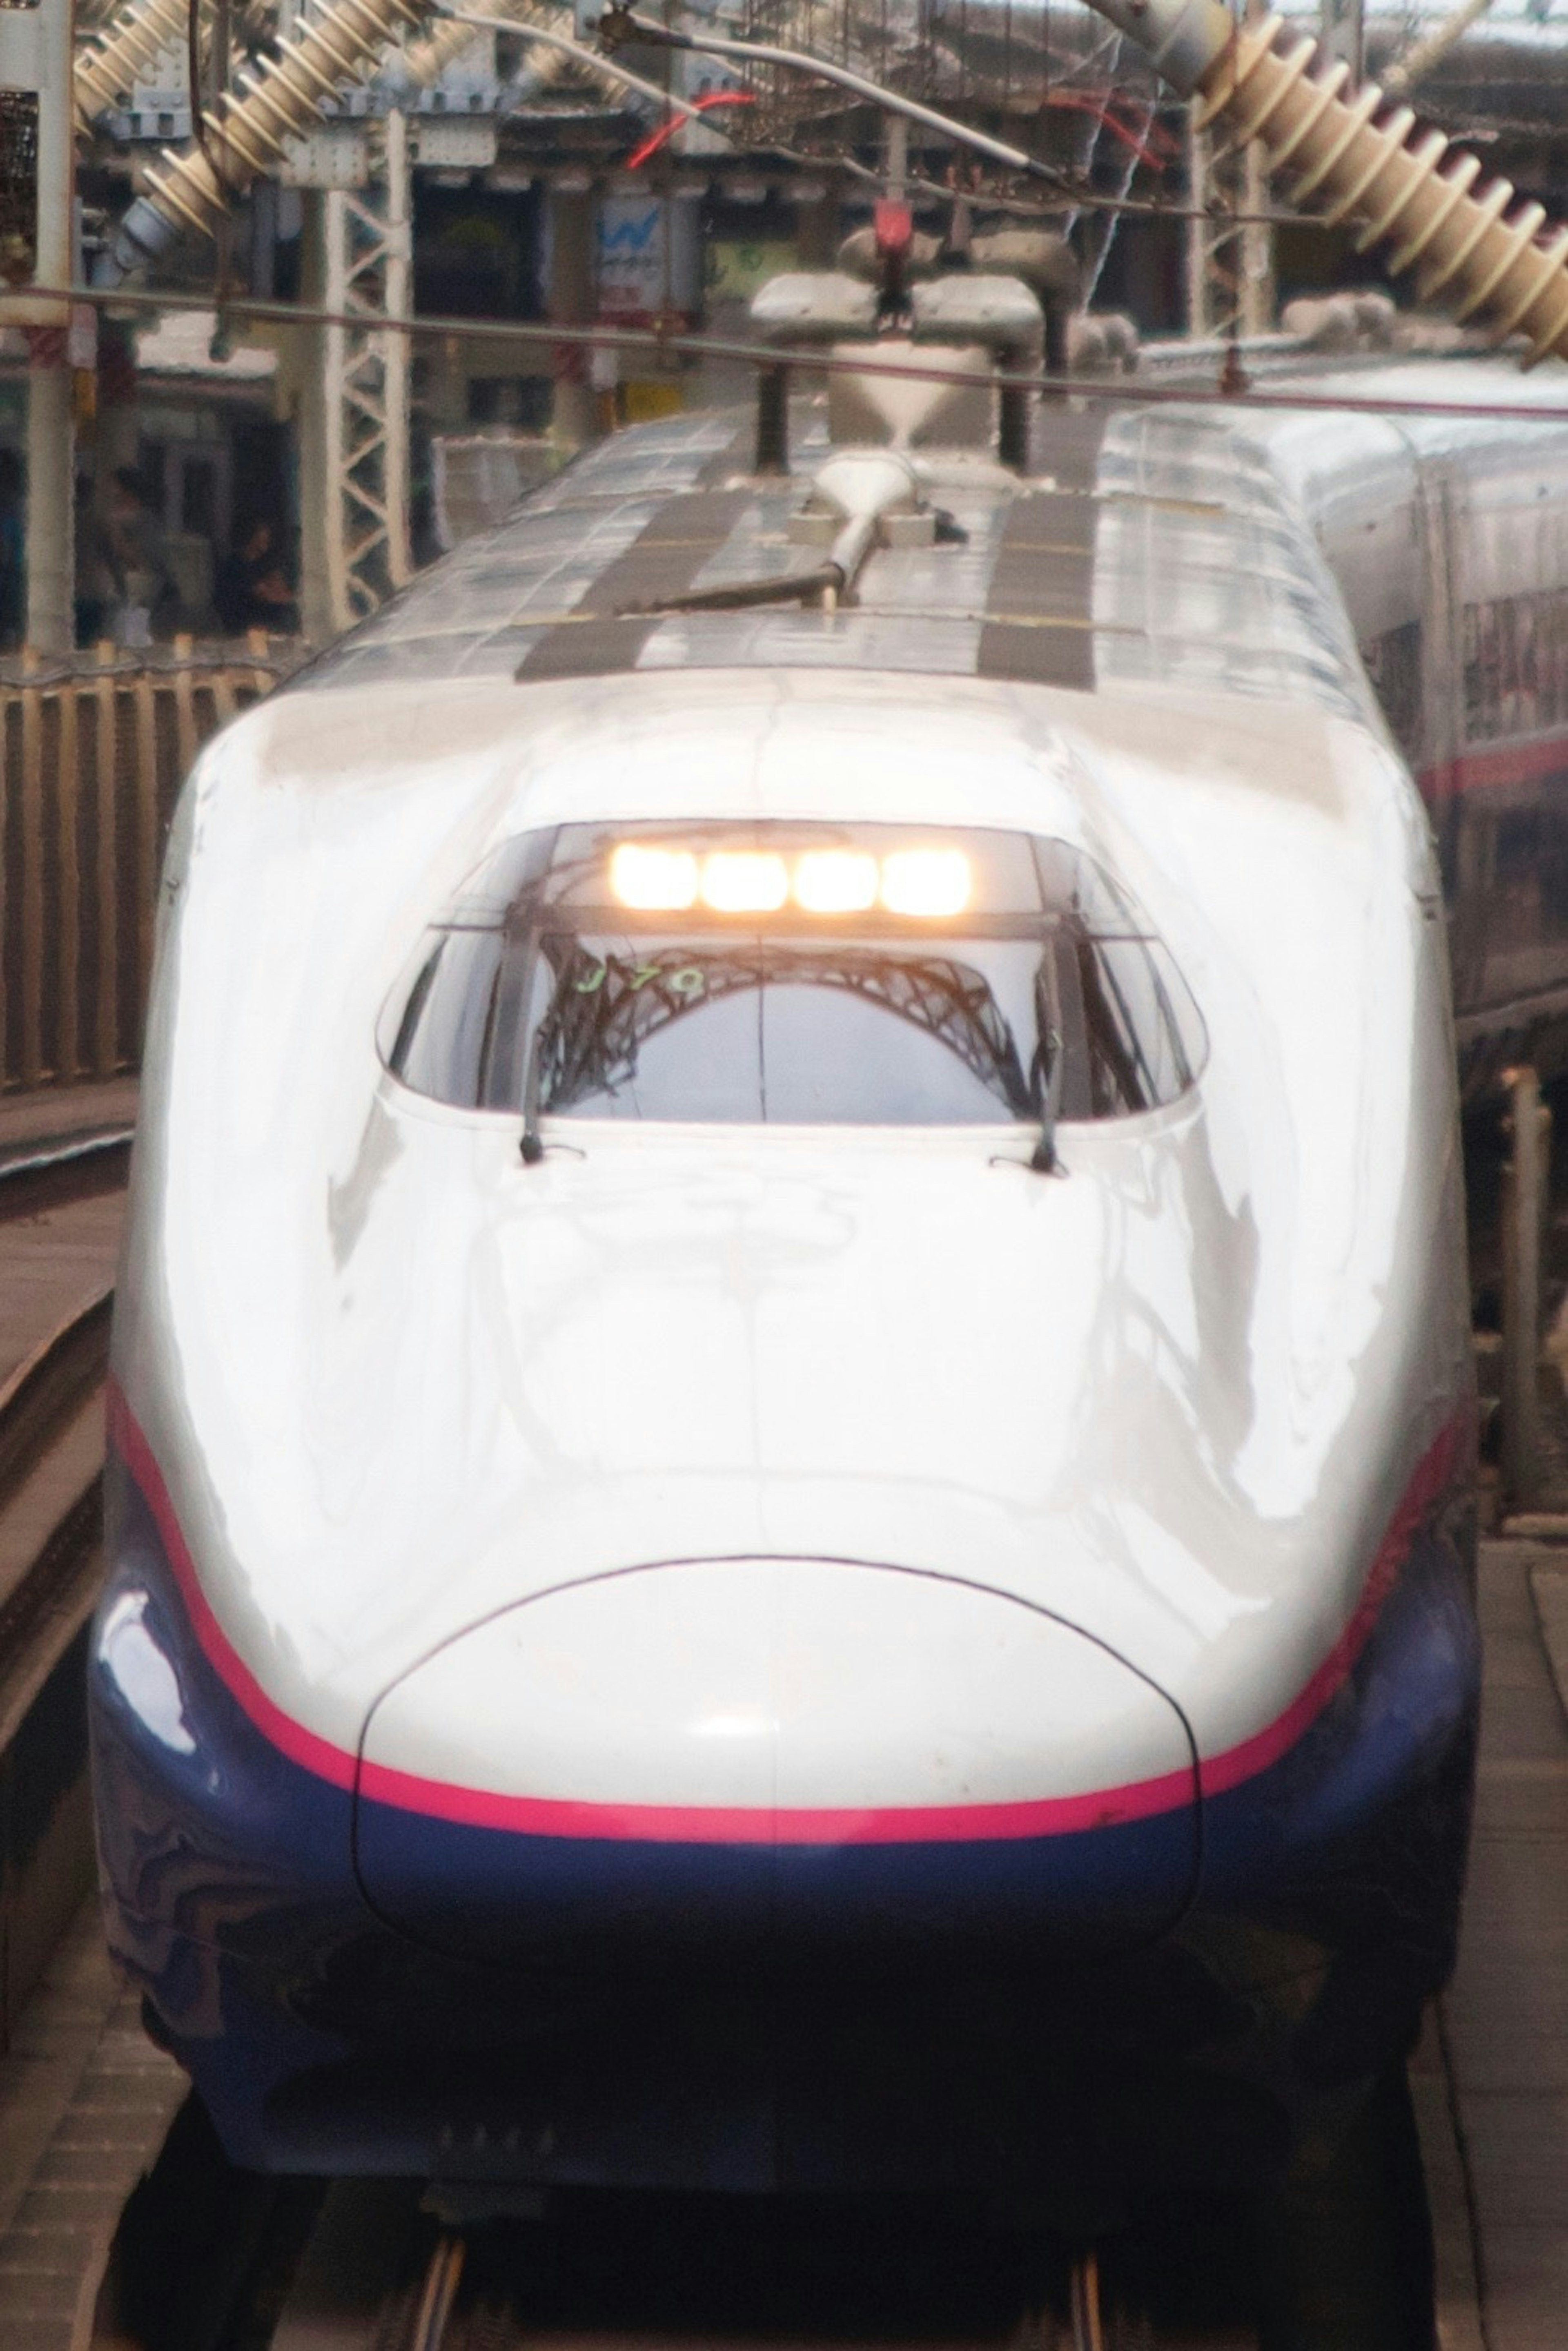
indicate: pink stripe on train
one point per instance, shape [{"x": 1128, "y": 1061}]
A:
[{"x": 719, "y": 1824}]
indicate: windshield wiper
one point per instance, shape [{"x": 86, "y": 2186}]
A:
[
  {"x": 532, "y": 1146},
  {"x": 1042, "y": 1158}
]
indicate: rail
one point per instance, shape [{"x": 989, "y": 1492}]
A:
[
  {"x": 51, "y": 1528},
  {"x": 51, "y": 1521},
  {"x": 94, "y": 747},
  {"x": 50, "y": 1158},
  {"x": 48, "y": 1602}
]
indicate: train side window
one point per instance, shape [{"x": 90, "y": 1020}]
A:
[{"x": 1515, "y": 655}]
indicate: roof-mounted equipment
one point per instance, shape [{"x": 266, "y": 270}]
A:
[
  {"x": 861, "y": 499},
  {"x": 962, "y": 326}
]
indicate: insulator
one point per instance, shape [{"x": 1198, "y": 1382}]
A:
[
  {"x": 424, "y": 60},
  {"x": 1352, "y": 159},
  {"x": 112, "y": 62},
  {"x": 274, "y": 102}
]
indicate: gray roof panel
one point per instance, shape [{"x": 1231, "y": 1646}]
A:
[{"x": 1152, "y": 545}]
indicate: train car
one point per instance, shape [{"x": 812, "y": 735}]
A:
[
  {"x": 793, "y": 1406},
  {"x": 1447, "y": 537}
]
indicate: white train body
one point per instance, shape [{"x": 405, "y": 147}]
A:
[{"x": 570, "y": 1608}]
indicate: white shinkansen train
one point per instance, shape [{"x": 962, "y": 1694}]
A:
[{"x": 793, "y": 1427}]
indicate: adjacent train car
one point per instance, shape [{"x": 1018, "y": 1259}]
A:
[
  {"x": 792, "y": 1416},
  {"x": 1447, "y": 537}
]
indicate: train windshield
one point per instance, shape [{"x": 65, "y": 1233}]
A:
[{"x": 795, "y": 974}]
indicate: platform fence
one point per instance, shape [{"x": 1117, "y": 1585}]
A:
[{"x": 95, "y": 747}]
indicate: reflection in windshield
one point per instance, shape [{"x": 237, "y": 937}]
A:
[
  {"x": 609, "y": 1004},
  {"x": 1045, "y": 997}
]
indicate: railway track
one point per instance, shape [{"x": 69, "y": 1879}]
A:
[
  {"x": 432, "y": 2314},
  {"x": 51, "y": 1448},
  {"x": 52, "y": 1170},
  {"x": 208, "y": 2259},
  {"x": 366, "y": 2268},
  {"x": 51, "y": 1460}
]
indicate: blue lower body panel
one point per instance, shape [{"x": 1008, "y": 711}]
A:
[{"x": 1058, "y": 2016}]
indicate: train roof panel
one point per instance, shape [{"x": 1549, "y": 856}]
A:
[{"x": 1147, "y": 548}]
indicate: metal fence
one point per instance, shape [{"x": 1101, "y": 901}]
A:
[{"x": 94, "y": 752}]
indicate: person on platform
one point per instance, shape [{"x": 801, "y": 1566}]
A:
[
  {"x": 136, "y": 550},
  {"x": 251, "y": 589}
]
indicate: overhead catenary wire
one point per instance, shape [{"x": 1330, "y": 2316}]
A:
[
  {"x": 423, "y": 62},
  {"x": 247, "y": 132},
  {"x": 621, "y": 24},
  {"x": 806, "y": 361},
  {"x": 605, "y": 68},
  {"x": 1363, "y": 163},
  {"x": 1354, "y": 156},
  {"x": 1074, "y": 195},
  {"x": 698, "y": 111},
  {"x": 1357, "y": 157},
  {"x": 185, "y": 191},
  {"x": 1069, "y": 188},
  {"x": 1420, "y": 57},
  {"x": 1110, "y": 221}
]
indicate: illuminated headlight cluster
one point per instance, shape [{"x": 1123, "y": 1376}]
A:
[{"x": 929, "y": 883}]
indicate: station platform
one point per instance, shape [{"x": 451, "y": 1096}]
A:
[
  {"x": 55, "y": 1255},
  {"x": 54, "y": 1112},
  {"x": 1491, "y": 2080}
]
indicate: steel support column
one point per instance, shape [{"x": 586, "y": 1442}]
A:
[
  {"x": 51, "y": 496},
  {"x": 1230, "y": 250},
  {"x": 355, "y": 426},
  {"x": 39, "y": 186},
  {"x": 572, "y": 292}
]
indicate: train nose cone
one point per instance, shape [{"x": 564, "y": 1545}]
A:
[{"x": 774, "y": 1747}]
